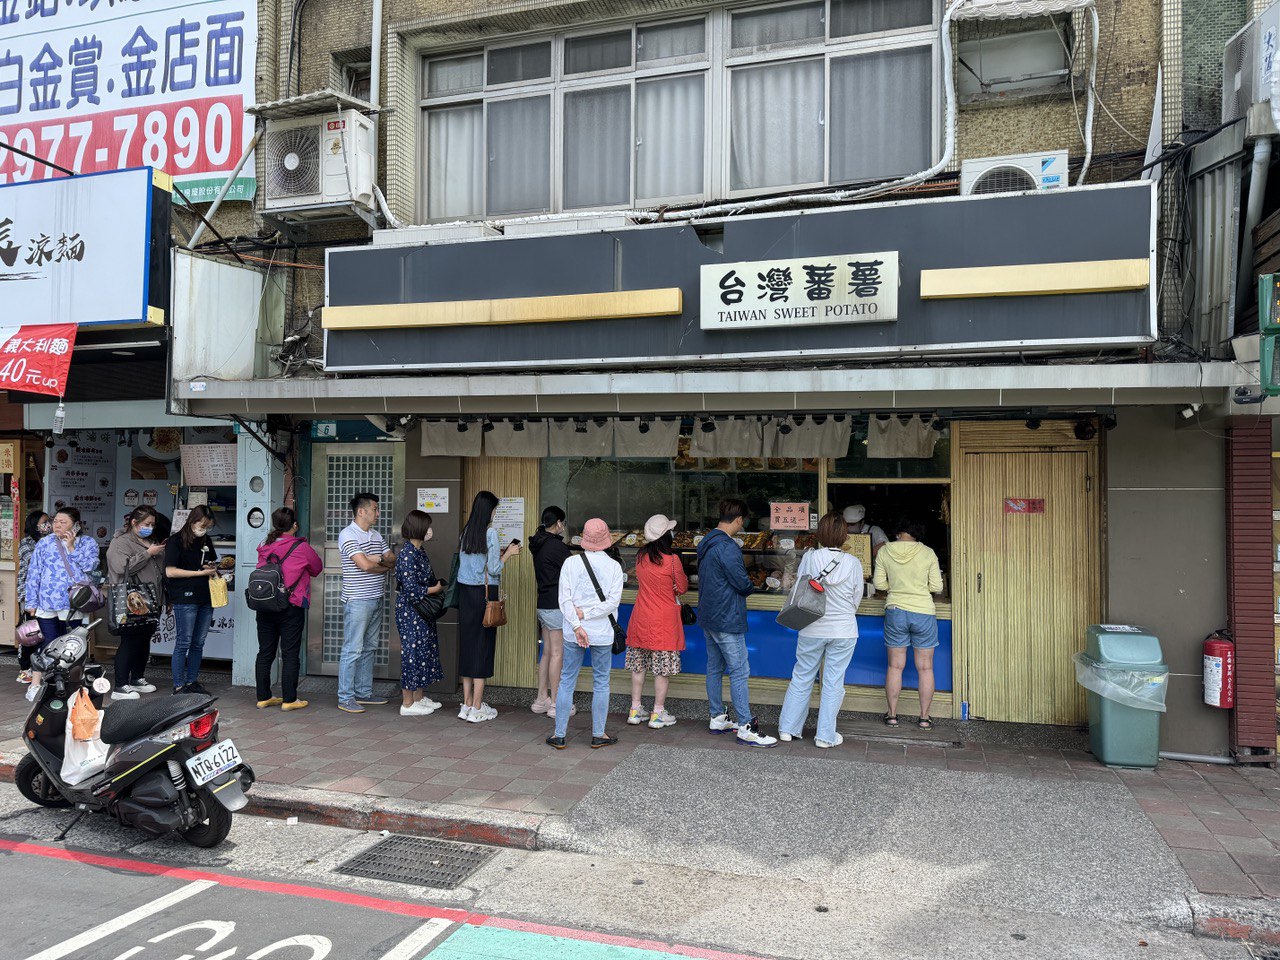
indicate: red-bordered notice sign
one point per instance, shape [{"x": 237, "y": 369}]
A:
[
  {"x": 36, "y": 359},
  {"x": 1023, "y": 505}
]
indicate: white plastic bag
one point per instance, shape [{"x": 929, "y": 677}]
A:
[
  {"x": 82, "y": 759},
  {"x": 1130, "y": 686}
]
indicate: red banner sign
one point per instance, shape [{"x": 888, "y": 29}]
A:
[
  {"x": 1023, "y": 505},
  {"x": 36, "y": 359}
]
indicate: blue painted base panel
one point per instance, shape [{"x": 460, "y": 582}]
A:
[
  {"x": 495, "y": 943},
  {"x": 773, "y": 651}
]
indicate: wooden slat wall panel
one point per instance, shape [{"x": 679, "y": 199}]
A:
[
  {"x": 515, "y": 664},
  {"x": 1250, "y": 584},
  {"x": 1005, "y": 436}
]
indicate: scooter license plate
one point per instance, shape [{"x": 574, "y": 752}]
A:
[{"x": 217, "y": 760}]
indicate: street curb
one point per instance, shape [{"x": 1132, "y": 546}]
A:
[
  {"x": 1254, "y": 920},
  {"x": 447, "y": 821}
]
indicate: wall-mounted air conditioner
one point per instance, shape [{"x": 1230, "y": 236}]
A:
[
  {"x": 1248, "y": 69},
  {"x": 1014, "y": 174},
  {"x": 316, "y": 163}
]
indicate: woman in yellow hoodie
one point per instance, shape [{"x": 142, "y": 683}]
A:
[{"x": 908, "y": 570}]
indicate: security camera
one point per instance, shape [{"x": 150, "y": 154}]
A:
[{"x": 1189, "y": 411}]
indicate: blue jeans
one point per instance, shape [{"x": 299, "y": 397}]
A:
[
  {"x": 191, "y": 621},
  {"x": 728, "y": 652},
  {"x": 833, "y": 655},
  {"x": 601, "y": 661},
  {"x": 361, "y": 626}
]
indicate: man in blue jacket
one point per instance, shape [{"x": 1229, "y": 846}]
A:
[{"x": 723, "y": 586}]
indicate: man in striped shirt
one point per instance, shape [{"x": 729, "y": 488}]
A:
[{"x": 366, "y": 561}]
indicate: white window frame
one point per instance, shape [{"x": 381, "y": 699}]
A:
[{"x": 717, "y": 65}]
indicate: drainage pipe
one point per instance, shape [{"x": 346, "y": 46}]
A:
[{"x": 1253, "y": 214}]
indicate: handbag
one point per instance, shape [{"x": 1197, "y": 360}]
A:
[
  {"x": 85, "y": 596},
  {"x": 131, "y": 604},
  {"x": 619, "y": 631},
  {"x": 688, "y": 615},
  {"x": 495, "y": 611},
  {"x": 450, "y": 595},
  {"x": 218, "y": 593},
  {"x": 807, "y": 601},
  {"x": 28, "y": 633}
]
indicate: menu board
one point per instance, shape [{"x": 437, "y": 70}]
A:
[
  {"x": 788, "y": 516},
  {"x": 82, "y": 474},
  {"x": 508, "y": 520},
  {"x": 209, "y": 464},
  {"x": 859, "y": 545}
]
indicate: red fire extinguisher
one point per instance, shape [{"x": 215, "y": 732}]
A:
[{"x": 1219, "y": 671}]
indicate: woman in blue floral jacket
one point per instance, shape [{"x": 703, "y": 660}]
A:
[{"x": 59, "y": 561}]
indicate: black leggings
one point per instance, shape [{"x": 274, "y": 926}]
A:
[{"x": 132, "y": 653}]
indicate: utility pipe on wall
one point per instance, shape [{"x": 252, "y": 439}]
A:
[
  {"x": 1253, "y": 214},
  {"x": 375, "y": 55},
  {"x": 226, "y": 186}
]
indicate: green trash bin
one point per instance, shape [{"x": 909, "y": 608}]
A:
[{"x": 1124, "y": 671}]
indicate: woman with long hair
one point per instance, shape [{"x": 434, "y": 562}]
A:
[
  {"x": 419, "y": 644},
  {"x": 549, "y": 554},
  {"x": 480, "y": 566},
  {"x": 284, "y": 631},
  {"x": 189, "y": 562},
  {"x": 58, "y": 563},
  {"x": 655, "y": 633},
  {"x": 132, "y": 556},
  {"x": 39, "y": 525}
]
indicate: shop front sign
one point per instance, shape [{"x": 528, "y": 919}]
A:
[
  {"x": 36, "y": 359},
  {"x": 842, "y": 288},
  {"x": 788, "y": 516}
]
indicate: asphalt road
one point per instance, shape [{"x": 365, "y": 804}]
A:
[{"x": 270, "y": 893}]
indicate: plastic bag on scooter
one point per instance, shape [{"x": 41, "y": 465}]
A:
[
  {"x": 82, "y": 759},
  {"x": 85, "y": 719}
]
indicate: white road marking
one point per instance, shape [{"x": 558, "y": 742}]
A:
[
  {"x": 103, "y": 930},
  {"x": 409, "y": 948}
]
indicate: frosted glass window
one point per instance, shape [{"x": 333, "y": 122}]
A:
[
  {"x": 777, "y": 25},
  {"x": 667, "y": 40},
  {"x": 519, "y": 174},
  {"x": 670, "y": 131},
  {"x": 776, "y": 123},
  {"x": 604, "y": 51},
  {"x": 455, "y": 147},
  {"x": 532, "y": 61},
  {"x": 455, "y": 75},
  {"x": 597, "y": 148},
  {"x": 881, "y": 114},
  {"x": 852, "y": 17}
]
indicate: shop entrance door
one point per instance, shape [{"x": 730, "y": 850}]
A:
[
  {"x": 1029, "y": 546},
  {"x": 338, "y": 472}
]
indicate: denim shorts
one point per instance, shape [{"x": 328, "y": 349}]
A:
[
  {"x": 551, "y": 619},
  {"x": 902, "y": 628}
]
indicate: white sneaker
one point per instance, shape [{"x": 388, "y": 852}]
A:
[
  {"x": 142, "y": 686},
  {"x": 636, "y": 716},
  {"x": 542, "y": 705},
  {"x": 433, "y": 704},
  {"x": 722, "y": 724},
  {"x": 489, "y": 712},
  {"x": 750, "y": 735},
  {"x": 464, "y": 712},
  {"x": 659, "y": 720},
  {"x": 482, "y": 713},
  {"x": 124, "y": 693},
  {"x": 833, "y": 743},
  {"x": 419, "y": 708},
  {"x": 787, "y": 737}
]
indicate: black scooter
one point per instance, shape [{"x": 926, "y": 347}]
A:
[{"x": 166, "y": 770}]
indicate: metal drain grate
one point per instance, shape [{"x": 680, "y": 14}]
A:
[{"x": 441, "y": 864}]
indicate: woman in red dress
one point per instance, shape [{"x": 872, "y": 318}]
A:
[{"x": 655, "y": 635}]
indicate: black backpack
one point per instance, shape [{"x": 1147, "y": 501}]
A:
[{"x": 266, "y": 591}]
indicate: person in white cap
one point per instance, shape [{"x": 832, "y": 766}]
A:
[
  {"x": 855, "y": 518},
  {"x": 655, "y": 633}
]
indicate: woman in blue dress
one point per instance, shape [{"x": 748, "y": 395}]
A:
[{"x": 419, "y": 644}]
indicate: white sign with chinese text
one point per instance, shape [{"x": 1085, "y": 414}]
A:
[
  {"x": 508, "y": 520},
  {"x": 76, "y": 251},
  {"x": 97, "y": 85},
  {"x": 808, "y": 291},
  {"x": 209, "y": 464},
  {"x": 435, "y": 500}
]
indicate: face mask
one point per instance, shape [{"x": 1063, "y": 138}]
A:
[
  {"x": 145, "y": 531},
  {"x": 430, "y": 534}
]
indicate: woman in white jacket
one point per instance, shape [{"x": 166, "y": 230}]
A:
[{"x": 828, "y": 641}]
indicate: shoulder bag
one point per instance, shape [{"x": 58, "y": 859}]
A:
[
  {"x": 495, "y": 611},
  {"x": 807, "y": 602},
  {"x": 688, "y": 615},
  {"x": 450, "y": 596},
  {"x": 430, "y": 607},
  {"x": 131, "y": 604},
  {"x": 85, "y": 596},
  {"x": 619, "y": 632}
]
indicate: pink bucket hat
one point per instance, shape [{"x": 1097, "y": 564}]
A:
[{"x": 596, "y": 535}]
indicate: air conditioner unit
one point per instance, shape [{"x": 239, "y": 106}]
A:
[
  {"x": 317, "y": 163},
  {"x": 1015, "y": 174},
  {"x": 1248, "y": 65}
]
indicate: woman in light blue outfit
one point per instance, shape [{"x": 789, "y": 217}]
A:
[{"x": 827, "y": 642}]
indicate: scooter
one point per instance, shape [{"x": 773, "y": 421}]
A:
[{"x": 166, "y": 770}]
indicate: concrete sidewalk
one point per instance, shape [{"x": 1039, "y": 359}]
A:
[{"x": 951, "y": 815}]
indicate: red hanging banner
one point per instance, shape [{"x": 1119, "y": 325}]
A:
[{"x": 36, "y": 359}]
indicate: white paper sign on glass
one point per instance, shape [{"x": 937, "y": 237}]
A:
[
  {"x": 508, "y": 519},
  {"x": 433, "y": 499},
  {"x": 801, "y": 292}
]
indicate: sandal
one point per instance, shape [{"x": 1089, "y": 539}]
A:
[
  {"x": 924, "y": 723},
  {"x": 890, "y": 719}
]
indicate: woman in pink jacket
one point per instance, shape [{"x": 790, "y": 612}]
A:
[{"x": 284, "y": 631}]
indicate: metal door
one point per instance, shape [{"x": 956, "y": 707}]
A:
[{"x": 338, "y": 472}]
